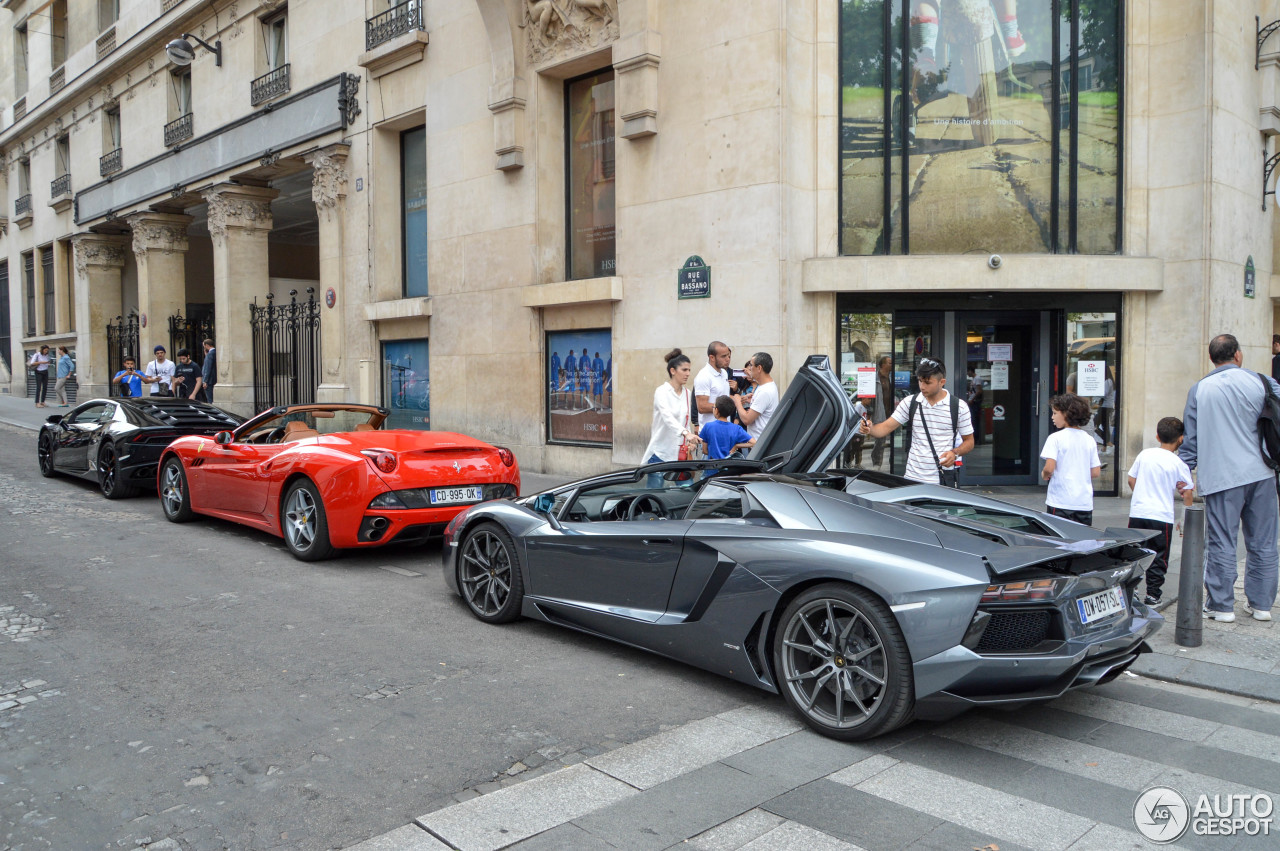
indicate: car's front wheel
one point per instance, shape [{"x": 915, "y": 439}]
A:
[
  {"x": 174, "y": 497},
  {"x": 109, "y": 478},
  {"x": 843, "y": 664},
  {"x": 306, "y": 531},
  {"x": 44, "y": 454},
  {"x": 489, "y": 574}
]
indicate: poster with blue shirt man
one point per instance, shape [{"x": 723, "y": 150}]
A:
[{"x": 577, "y": 410}]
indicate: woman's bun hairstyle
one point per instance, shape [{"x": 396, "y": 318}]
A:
[{"x": 672, "y": 355}]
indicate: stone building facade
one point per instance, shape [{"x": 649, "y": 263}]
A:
[{"x": 476, "y": 191}]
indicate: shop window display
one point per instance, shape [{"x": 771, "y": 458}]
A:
[
  {"x": 579, "y": 387},
  {"x": 406, "y": 384}
]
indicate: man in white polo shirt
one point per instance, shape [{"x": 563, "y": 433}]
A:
[
  {"x": 932, "y": 424},
  {"x": 713, "y": 381}
]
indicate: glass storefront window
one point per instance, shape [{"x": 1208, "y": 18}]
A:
[
  {"x": 579, "y": 382},
  {"x": 406, "y": 384},
  {"x": 413, "y": 194},
  {"x": 590, "y": 165},
  {"x": 1000, "y": 128},
  {"x": 866, "y": 341},
  {"x": 1091, "y": 366}
]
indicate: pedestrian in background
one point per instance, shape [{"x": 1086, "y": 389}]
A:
[
  {"x": 713, "y": 380},
  {"x": 1157, "y": 475},
  {"x": 187, "y": 381},
  {"x": 1106, "y": 408},
  {"x": 66, "y": 366},
  {"x": 1222, "y": 445},
  {"x": 671, "y": 429},
  {"x": 884, "y": 404},
  {"x": 763, "y": 399},
  {"x": 209, "y": 370},
  {"x": 939, "y": 423},
  {"x": 1070, "y": 461},
  {"x": 159, "y": 374},
  {"x": 1275, "y": 356},
  {"x": 39, "y": 364},
  {"x": 129, "y": 379}
]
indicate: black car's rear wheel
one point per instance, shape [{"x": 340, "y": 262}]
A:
[
  {"x": 109, "y": 478},
  {"x": 44, "y": 454},
  {"x": 174, "y": 497},
  {"x": 843, "y": 664},
  {"x": 489, "y": 574},
  {"x": 306, "y": 531}
]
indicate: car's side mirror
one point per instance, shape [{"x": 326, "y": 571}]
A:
[
  {"x": 222, "y": 438},
  {"x": 54, "y": 419},
  {"x": 544, "y": 503}
]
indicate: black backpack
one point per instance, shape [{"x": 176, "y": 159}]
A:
[{"x": 1269, "y": 426}]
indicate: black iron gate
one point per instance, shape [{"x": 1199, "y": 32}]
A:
[
  {"x": 286, "y": 351},
  {"x": 122, "y": 342},
  {"x": 190, "y": 332}
]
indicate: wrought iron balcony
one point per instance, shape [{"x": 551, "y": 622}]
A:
[
  {"x": 397, "y": 20},
  {"x": 106, "y": 42},
  {"x": 178, "y": 130},
  {"x": 22, "y": 207},
  {"x": 58, "y": 79},
  {"x": 19, "y": 108},
  {"x": 269, "y": 85},
  {"x": 60, "y": 185},
  {"x": 109, "y": 163}
]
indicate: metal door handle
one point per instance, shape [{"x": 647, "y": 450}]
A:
[{"x": 648, "y": 541}]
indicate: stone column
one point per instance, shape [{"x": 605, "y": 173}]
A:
[
  {"x": 160, "y": 249},
  {"x": 329, "y": 192},
  {"x": 98, "y": 261},
  {"x": 239, "y": 222}
]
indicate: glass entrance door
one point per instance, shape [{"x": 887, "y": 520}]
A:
[
  {"x": 915, "y": 336},
  {"x": 1001, "y": 384}
]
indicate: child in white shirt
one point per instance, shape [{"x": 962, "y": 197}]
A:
[
  {"x": 1156, "y": 475},
  {"x": 1071, "y": 460}
]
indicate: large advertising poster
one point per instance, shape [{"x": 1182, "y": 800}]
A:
[
  {"x": 579, "y": 382},
  {"x": 406, "y": 384}
]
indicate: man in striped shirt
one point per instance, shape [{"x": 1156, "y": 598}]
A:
[{"x": 933, "y": 412}]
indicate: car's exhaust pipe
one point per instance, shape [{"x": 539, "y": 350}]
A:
[{"x": 375, "y": 528}]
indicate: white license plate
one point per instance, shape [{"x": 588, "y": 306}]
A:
[
  {"x": 445, "y": 496},
  {"x": 1104, "y": 604}
]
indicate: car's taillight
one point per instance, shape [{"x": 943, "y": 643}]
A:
[
  {"x": 1021, "y": 592},
  {"x": 382, "y": 459},
  {"x": 508, "y": 459}
]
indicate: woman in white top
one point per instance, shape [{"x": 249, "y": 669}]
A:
[{"x": 671, "y": 415}]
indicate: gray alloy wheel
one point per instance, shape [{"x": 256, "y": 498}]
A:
[
  {"x": 174, "y": 497},
  {"x": 489, "y": 574},
  {"x": 109, "y": 480},
  {"x": 843, "y": 664},
  {"x": 44, "y": 454},
  {"x": 306, "y": 532}
]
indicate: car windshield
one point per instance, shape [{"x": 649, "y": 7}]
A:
[{"x": 311, "y": 421}]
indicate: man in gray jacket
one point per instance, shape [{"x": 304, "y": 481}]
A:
[{"x": 1221, "y": 421}]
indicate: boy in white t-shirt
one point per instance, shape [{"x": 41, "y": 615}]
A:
[
  {"x": 1156, "y": 475},
  {"x": 1071, "y": 460}
]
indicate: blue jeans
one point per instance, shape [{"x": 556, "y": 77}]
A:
[
  {"x": 653, "y": 481},
  {"x": 1255, "y": 507}
]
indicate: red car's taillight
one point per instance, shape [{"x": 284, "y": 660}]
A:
[
  {"x": 382, "y": 459},
  {"x": 508, "y": 459}
]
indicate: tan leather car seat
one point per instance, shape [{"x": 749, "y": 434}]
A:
[
  {"x": 298, "y": 431},
  {"x": 364, "y": 427}
]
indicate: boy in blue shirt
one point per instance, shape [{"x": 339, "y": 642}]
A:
[
  {"x": 129, "y": 379},
  {"x": 722, "y": 436}
]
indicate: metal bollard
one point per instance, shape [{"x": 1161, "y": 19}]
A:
[{"x": 1190, "y": 630}]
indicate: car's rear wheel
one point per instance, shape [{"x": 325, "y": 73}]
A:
[
  {"x": 843, "y": 664},
  {"x": 174, "y": 497},
  {"x": 44, "y": 454},
  {"x": 306, "y": 531},
  {"x": 109, "y": 478},
  {"x": 489, "y": 574}
]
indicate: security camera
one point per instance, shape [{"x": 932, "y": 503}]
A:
[{"x": 995, "y": 261}]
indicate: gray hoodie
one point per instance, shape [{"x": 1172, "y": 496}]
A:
[{"x": 1221, "y": 420}]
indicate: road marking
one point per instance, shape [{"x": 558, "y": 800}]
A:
[{"x": 399, "y": 570}]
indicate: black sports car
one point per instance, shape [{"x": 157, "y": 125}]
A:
[
  {"x": 866, "y": 599},
  {"x": 117, "y": 442}
]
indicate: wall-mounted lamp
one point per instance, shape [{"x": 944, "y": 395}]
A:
[{"x": 182, "y": 53}]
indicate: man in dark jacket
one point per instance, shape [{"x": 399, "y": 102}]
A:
[{"x": 209, "y": 372}]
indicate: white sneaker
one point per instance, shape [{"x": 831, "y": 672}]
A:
[
  {"x": 1220, "y": 617},
  {"x": 1258, "y": 614}
]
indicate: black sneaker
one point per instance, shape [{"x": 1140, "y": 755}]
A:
[{"x": 1151, "y": 601}]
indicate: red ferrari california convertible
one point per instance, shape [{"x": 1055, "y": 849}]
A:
[{"x": 327, "y": 477}]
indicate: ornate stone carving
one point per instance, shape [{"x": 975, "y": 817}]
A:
[
  {"x": 328, "y": 180},
  {"x": 251, "y": 215},
  {"x": 559, "y": 28},
  {"x": 152, "y": 235},
  {"x": 93, "y": 250}
]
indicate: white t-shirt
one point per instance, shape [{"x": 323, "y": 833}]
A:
[
  {"x": 764, "y": 401},
  {"x": 166, "y": 372},
  {"x": 922, "y": 465},
  {"x": 712, "y": 383},
  {"x": 670, "y": 418},
  {"x": 1075, "y": 454},
  {"x": 1158, "y": 472}
]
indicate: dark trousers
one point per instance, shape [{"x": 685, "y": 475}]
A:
[
  {"x": 42, "y": 385},
  {"x": 1104, "y": 425},
  {"x": 1085, "y": 517},
  {"x": 1160, "y": 566}
]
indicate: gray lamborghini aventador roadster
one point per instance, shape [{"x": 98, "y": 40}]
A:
[{"x": 865, "y": 599}]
